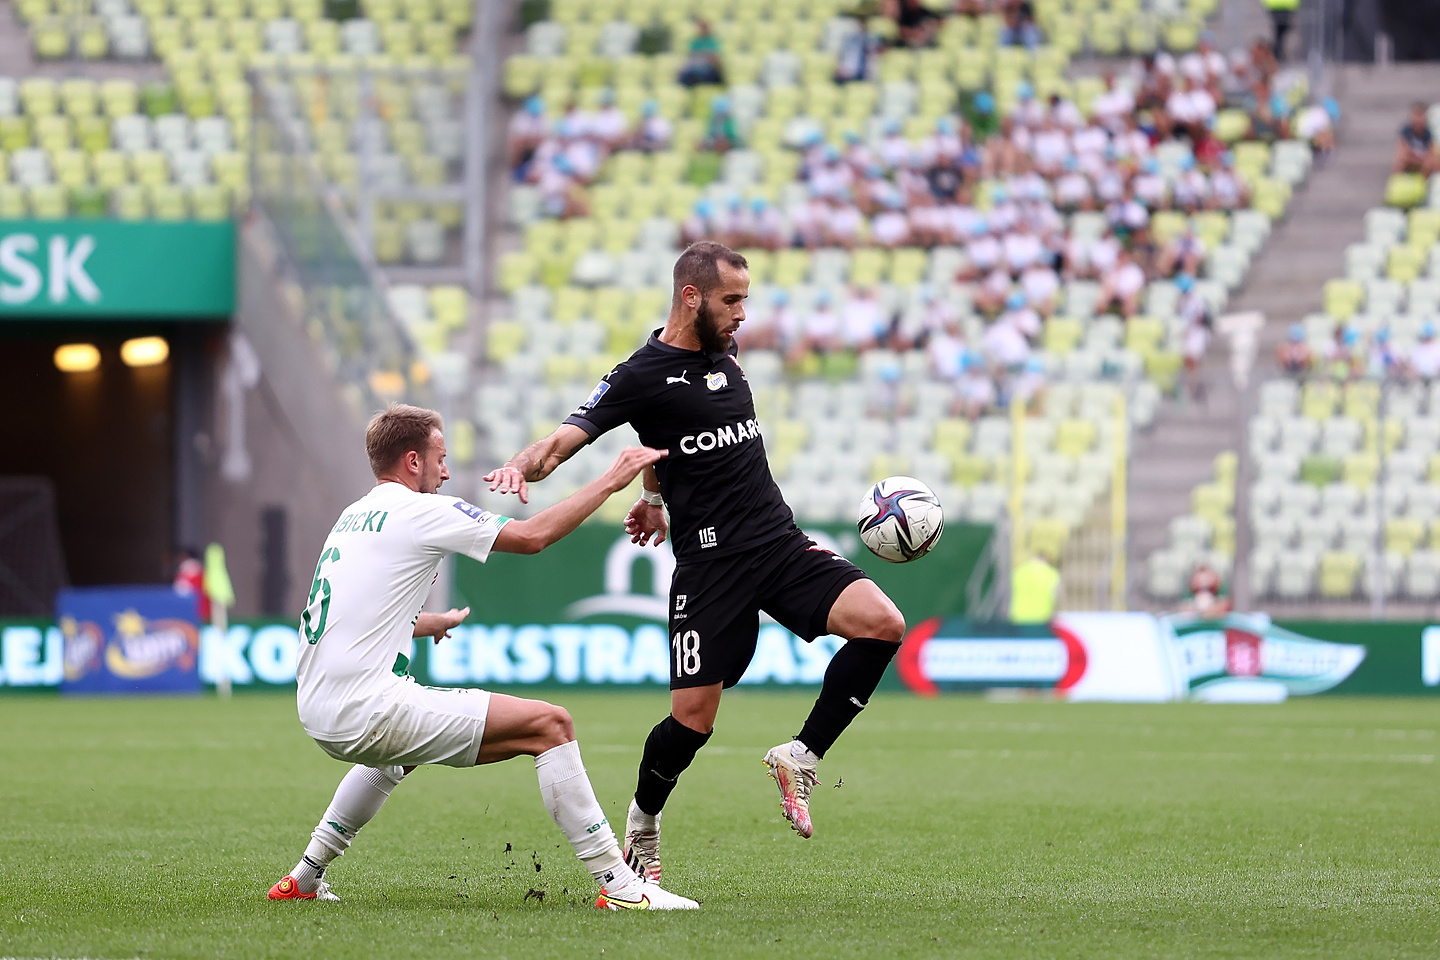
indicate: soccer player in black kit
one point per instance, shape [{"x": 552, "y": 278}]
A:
[{"x": 737, "y": 548}]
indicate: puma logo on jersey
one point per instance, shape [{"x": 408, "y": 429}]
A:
[{"x": 679, "y": 379}]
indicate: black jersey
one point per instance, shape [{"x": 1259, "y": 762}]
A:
[{"x": 698, "y": 406}]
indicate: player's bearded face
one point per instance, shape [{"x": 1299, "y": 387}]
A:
[{"x": 708, "y": 329}]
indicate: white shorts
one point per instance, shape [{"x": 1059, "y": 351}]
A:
[{"x": 423, "y": 725}]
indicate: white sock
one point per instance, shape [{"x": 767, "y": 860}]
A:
[
  {"x": 803, "y": 754},
  {"x": 361, "y": 794},
  {"x": 641, "y": 819},
  {"x": 571, "y": 801}
]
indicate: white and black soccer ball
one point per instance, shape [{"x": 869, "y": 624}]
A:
[{"x": 900, "y": 519}]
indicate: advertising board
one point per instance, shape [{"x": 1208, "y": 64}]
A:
[{"x": 102, "y": 269}]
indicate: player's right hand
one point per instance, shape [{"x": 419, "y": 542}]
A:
[
  {"x": 628, "y": 465},
  {"x": 508, "y": 479}
]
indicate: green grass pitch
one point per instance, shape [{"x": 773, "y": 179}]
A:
[{"x": 962, "y": 828}]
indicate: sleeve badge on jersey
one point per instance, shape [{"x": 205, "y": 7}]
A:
[
  {"x": 470, "y": 510},
  {"x": 595, "y": 395}
]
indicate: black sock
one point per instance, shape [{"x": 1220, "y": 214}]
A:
[
  {"x": 851, "y": 678},
  {"x": 669, "y": 749}
]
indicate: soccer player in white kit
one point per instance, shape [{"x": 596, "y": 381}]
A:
[{"x": 377, "y": 567}]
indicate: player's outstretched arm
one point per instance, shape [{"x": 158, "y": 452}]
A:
[
  {"x": 553, "y": 523},
  {"x": 438, "y": 625},
  {"x": 537, "y": 461}
]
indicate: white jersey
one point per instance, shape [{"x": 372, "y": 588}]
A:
[{"x": 377, "y": 567}]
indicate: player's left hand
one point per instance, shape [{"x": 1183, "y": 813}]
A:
[
  {"x": 508, "y": 479},
  {"x": 645, "y": 521},
  {"x": 439, "y": 625}
]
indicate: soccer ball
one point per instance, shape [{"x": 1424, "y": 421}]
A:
[{"x": 900, "y": 519}]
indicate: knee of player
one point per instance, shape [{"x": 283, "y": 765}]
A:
[
  {"x": 555, "y": 726},
  {"x": 890, "y": 624}
]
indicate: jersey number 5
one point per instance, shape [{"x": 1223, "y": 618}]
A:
[{"x": 312, "y": 624}]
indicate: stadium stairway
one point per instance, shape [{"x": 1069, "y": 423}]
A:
[{"x": 1285, "y": 282}]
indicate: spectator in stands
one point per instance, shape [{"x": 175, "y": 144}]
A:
[
  {"x": 1415, "y": 147},
  {"x": 721, "y": 133},
  {"x": 918, "y": 23},
  {"x": 975, "y": 393},
  {"x": 1293, "y": 354},
  {"x": 654, "y": 132},
  {"x": 1111, "y": 108},
  {"x": 1227, "y": 190},
  {"x": 1041, "y": 286},
  {"x": 979, "y": 113},
  {"x": 528, "y": 129},
  {"x": 560, "y": 192},
  {"x": 845, "y": 225},
  {"x": 1182, "y": 254},
  {"x": 1191, "y": 190},
  {"x": 762, "y": 327},
  {"x": 945, "y": 349},
  {"x": 1190, "y": 109},
  {"x": 1072, "y": 189},
  {"x": 1266, "y": 122},
  {"x": 1204, "y": 65},
  {"x": 609, "y": 124},
  {"x": 1282, "y": 15},
  {"x": 1383, "y": 361},
  {"x": 859, "y": 54},
  {"x": 764, "y": 227},
  {"x": 700, "y": 224},
  {"x": 1344, "y": 357},
  {"x": 702, "y": 60},
  {"x": 1316, "y": 123},
  {"x": 1208, "y": 597},
  {"x": 891, "y": 226},
  {"x": 862, "y": 322},
  {"x": 821, "y": 331},
  {"x": 1122, "y": 286},
  {"x": 1194, "y": 312},
  {"x": 1425, "y": 357},
  {"x": 1020, "y": 29}
]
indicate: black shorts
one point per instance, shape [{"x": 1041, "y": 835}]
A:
[{"x": 715, "y": 605}]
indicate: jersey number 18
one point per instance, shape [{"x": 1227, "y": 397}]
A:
[{"x": 687, "y": 653}]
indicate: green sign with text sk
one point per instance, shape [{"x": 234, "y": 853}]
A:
[{"x": 100, "y": 269}]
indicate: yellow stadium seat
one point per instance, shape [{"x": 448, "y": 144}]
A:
[
  {"x": 1074, "y": 437},
  {"x": 111, "y": 169},
  {"x": 210, "y": 202},
  {"x": 1342, "y": 298},
  {"x": 1360, "y": 470},
  {"x": 49, "y": 202},
  {"x": 13, "y": 205},
  {"x": 169, "y": 202},
  {"x": 1339, "y": 573},
  {"x": 1406, "y": 262}
]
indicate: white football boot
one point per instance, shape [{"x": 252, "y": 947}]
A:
[
  {"x": 642, "y": 844},
  {"x": 796, "y": 780},
  {"x": 643, "y": 895}
]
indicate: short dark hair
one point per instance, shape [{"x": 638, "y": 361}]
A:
[
  {"x": 397, "y": 430},
  {"x": 699, "y": 267}
]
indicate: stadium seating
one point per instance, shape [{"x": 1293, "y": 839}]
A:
[
  {"x": 589, "y": 278},
  {"x": 1348, "y": 478}
]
